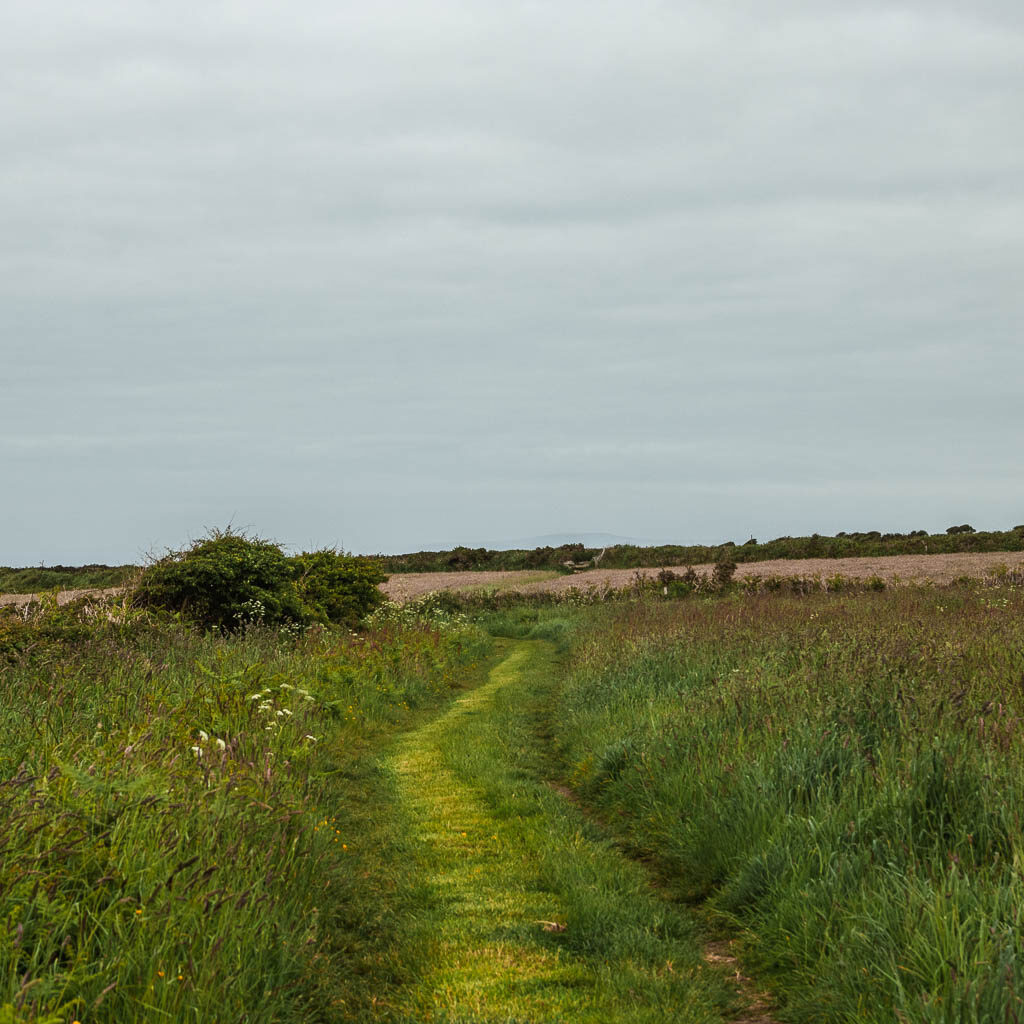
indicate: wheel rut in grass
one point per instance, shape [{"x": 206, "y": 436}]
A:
[
  {"x": 756, "y": 1008},
  {"x": 755, "y": 1005},
  {"x": 528, "y": 913}
]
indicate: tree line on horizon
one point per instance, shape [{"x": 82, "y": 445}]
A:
[{"x": 868, "y": 544}]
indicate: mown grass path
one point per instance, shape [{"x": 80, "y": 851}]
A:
[{"x": 527, "y": 913}]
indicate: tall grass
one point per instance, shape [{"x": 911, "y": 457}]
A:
[
  {"x": 183, "y": 828},
  {"x": 841, "y": 776},
  {"x": 531, "y": 914}
]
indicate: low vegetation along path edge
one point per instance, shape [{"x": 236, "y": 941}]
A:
[{"x": 530, "y": 913}]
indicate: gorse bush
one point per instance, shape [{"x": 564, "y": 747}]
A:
[
  {"x": 229, "y": 580},
  {"x": 224, "y": 580},
  {"x": 336, "y": 587}
]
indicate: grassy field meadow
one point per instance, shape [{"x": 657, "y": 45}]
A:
[
  {"x": 185, "y": 818},
  {"x": 840, "y": 777},
  {"x": 490, "y": 809}
]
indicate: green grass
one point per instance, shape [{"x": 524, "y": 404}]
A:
[
  {"x": 321, "y": 826},
  {"x": 839, "y": 777},
  {"x": 188, "y": 823},
  {"x": 33, "y": 580},
  {"x": 527, "y": 913}
]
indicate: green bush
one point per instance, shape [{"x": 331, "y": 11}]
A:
[
  {"x": 229, "y": 580},
  {"x": 225, "y": 580},
  {"x": 725, "y": 569},
  {"x": 29, "y": 635},
  {"x": 336, "y": 587}
]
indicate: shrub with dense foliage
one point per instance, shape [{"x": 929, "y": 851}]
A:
[
  {"x": 336, "y": 587},
  {"x": 224, "y": 580},
  {"x": 228, "y": 580}
]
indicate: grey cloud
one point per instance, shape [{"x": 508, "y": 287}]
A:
[{"x": 406, "y": 271}]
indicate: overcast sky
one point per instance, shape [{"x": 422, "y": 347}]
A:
[{"x": 410, "y": 273}]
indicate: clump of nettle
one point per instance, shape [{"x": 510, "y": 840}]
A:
[{"x": 229, "y": 580}]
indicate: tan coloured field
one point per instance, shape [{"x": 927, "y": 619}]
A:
[
  {"x": 403, "y": 587},
  {"x": 907, "y": 568},
  {"x": 63, "y": 596}
]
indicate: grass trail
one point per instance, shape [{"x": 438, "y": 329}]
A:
[{"x": 528, "y": 915}]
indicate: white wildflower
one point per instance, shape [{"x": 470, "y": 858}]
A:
[
  {"x": 198, "y": 751},
  {"x": 221, "y": 744},
  {"x": 203, "y": 737},
  {"x": 307, "y": 737}
]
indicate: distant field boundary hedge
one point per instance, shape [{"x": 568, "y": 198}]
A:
[
  {"x": 872, "y": 544},
  {"x": 79, "y": 577}
]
